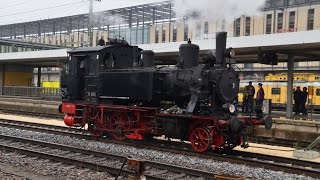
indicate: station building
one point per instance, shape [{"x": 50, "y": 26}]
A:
[{"x": 156, "y": 23}]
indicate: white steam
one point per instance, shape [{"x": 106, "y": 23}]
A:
[{"x": 216, "y": 9}]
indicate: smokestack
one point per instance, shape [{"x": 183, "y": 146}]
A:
[{"x": 221, "y": 43}]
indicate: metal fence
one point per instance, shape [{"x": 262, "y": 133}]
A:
[{"x": 32, "y": 92}]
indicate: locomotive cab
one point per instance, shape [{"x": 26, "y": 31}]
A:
[{"x": 80, "y": 78}]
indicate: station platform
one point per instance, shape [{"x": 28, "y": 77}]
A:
[
  {"x": 29, "y": 105},
  {"x": 300, "y": 128}
]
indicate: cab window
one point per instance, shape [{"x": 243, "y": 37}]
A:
[{"x": 318, "y": 92}]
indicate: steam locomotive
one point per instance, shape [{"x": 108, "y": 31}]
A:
[{"x": 116, "y": 90}]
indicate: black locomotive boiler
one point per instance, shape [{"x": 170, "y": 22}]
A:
[{"x": 117, "y": 91}]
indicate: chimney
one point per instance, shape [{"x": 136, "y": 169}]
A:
[{"x": 221, "y": 43}]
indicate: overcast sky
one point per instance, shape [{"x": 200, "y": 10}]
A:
[{"x": 14, "y": 11}]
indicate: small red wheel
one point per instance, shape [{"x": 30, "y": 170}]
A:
[
  {"x": 201, "y": 139},
  {"x": 120, "y": 124}
]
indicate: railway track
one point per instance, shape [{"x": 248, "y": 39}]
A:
[
  {"x": 257, "y": 139},
  {"x": 95, "y": 160},
  {"x": 289, "y": 165}
]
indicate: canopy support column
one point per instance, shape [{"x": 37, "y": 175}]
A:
[{"x": 290, "y": 86}]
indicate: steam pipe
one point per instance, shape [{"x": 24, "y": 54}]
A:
[{"x": 221, "y": 43}]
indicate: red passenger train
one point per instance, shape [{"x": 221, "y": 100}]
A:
[{"x": 116, "y": 90}]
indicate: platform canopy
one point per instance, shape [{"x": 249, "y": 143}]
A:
[{"x": 304, "y": 46}]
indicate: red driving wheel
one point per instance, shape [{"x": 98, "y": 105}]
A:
[
  {"x": 201, "y": 139},
  {"x": 120, "y": 124}
]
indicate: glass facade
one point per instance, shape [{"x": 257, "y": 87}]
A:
[{"x": 134, "y": 35}]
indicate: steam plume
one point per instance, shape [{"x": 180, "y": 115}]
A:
[{"x": 217, "y": 9}]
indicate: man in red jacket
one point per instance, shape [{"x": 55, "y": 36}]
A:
[{"x": 260, "y": 95}]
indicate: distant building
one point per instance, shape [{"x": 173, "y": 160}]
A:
[{"x": 156, "y": 23}]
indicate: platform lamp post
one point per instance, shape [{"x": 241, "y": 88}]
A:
[
  {"x": 274, "y": 17},
  {"x": 90, "y": 26}
]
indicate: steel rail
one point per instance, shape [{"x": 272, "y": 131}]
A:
[
  {"x": 289, "y": 165},
  {"x": 92, "y": 165}
]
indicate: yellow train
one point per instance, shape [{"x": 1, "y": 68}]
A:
[
  {"x": 51, "y": 84},
  {"x": 275, "y": 88}
]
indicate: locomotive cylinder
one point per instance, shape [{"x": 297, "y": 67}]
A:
[
  {"x": 221, "y": 43},
  {"x": 189, "y": 55},
  {"x": 147, "y": 58}
]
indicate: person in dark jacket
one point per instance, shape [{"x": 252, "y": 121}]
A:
[
  {"x": 101, "y": 42},
  {"x": 252, "y": 91},
  {"x": 304, "y": 100},
  {"x": 297, "y": 96},
  {"x": 245, "y": 107},
  {"x": 260, "y": 95}
]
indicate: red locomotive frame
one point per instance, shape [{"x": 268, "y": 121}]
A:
[{"x": 139, "y": 123}]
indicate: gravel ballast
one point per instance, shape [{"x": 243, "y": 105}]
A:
[{"x": 153, "y": 155}]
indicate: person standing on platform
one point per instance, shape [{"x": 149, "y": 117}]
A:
[
  {"x": 260, "y": 95},
  {"x": 245, "y": 94},
  {"x": 252, "y": 91},
  {"x": 304, "y": 100},
  {"x": 297, "y": 100},
  {"x": 101, "y": 42}
]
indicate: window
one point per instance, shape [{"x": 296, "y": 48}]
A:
[
  {"x": 248, "y": 66},
  {"x": 237, "y": 27},
  {"x": 72, "y": 40},
  {"x": 198, "y": 30},
  {"x": 269, "y": 3},
  {"x": 97, "y": 38},
  {"x": 185, "y": 33},
  {"x": 292, "y": 2},
  {"x": 223, "y": 25},
  {"x": 310, "y": 19},
  {"x": 269, "y": 24},
  {"x": 206, "y": 28},
  {"x": 280, "y": 21},
  {"x": 163, "y": 34},
  {"x": 157, "y": 35},
  {"x": 304, "y": 1},
  {"x": 276, "y": 91},
  {"x": 292, "y": 18},
  {"x": 174, "y": 33},
  {"x": 81, "y": 40},
  {"x": 280, "y": 3},
  {"x": 248, "y": 24},
  {"x": 318, "y": 92},
  {"x": 91, "y": 63}
]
